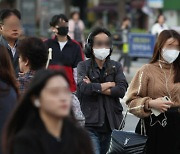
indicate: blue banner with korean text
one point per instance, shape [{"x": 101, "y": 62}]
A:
[{"x": 141, "y": 45}]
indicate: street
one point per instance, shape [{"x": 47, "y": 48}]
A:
[{"x": 131, "y": 120}]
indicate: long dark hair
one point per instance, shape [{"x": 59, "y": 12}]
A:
[
  {"x": 161, "y": 40},
  {"x": 7, "y": 73},
  {"x": 26, "y": 108},
  {"x": 90, "y": 41}
]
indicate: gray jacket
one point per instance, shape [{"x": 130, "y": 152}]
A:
[{"x": 14, "y": 59}]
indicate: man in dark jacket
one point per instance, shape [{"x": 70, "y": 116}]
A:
[
  {"x": 10, "y": 30},
  {"x": 101, "y": 83},
  {"x": 65, "y": 51}
]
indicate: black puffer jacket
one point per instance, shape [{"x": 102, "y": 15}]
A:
[{"x": 94, "y": 104}]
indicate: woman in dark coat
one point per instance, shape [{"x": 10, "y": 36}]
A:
[
  {"x": 41, "y": 123},
  {"x": 8, "y": 88}
]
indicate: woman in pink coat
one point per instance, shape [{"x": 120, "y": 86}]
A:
[{"x": 76, "y": 28}]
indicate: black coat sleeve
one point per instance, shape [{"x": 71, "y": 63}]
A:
[
  {"x": 24, "y": 144},
  {"x": 78, "y": 56},
  {"x": 86, "y": 88},
  {"x": 121, "y": 84}
]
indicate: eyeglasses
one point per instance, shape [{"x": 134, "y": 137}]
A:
[{"x": 102, "y": 43}]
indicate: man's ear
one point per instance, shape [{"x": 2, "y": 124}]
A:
[
  {"x": 26, "y": 62},
  {"x": 1, "y": 26}
]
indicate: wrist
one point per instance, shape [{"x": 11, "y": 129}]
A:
[
  {"x": 108, "y": 85},
  {"x": 150, "y": 104},
  {"x": 147, "y": 105}
]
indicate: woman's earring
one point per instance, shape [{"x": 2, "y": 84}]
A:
[{"x": 36, "y": 103}]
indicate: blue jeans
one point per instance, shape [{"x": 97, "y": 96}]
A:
[{"x": 100, "y": 141}]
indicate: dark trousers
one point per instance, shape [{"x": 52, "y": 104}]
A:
[
  {"x": 100, "y": 141},
  {"x": 127, "y": 61}
]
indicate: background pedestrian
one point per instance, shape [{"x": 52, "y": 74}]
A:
[
  {"x": 8, "y": 88},
  {"x": 32, "y": 57},
  {"x": 10, "y": 30},
  {"x": 76, "y": 28},
  {"x": 159, "y": 25}
]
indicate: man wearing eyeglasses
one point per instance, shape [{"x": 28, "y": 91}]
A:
[{"x": 10, "y": 30}]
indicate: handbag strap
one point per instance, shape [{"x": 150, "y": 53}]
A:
[{"x": 122, "y": 124}]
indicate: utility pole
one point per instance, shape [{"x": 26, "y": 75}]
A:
[
  {"x": 121, "y": 9},
  {"x": 67, "y": 4}
]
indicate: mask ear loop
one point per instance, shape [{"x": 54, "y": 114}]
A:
[{"x": 160, "y": 60}]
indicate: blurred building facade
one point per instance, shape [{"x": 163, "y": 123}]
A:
[
  {"x": 111, "y": 12},
  {"x": 143, "y": 13},
  {"x": 169, "y": 8},
  {"x": 36, "y": 14}
]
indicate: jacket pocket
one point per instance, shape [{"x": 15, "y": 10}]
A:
[
  {"x": 91, "y": 115},
  {"x": 90, "y": 110}
]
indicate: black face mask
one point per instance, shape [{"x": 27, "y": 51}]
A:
[{"x": 63, "y": 31}]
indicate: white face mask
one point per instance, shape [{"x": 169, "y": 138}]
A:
[
  {"x": 102, "y": 53},
  {"x": 170, "y": 55}
]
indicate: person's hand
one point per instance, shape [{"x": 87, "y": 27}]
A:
[
  {"x": 160, "y": 105},
  {"x": 86, "y": 79},
  {"x": 54, "y": 30},
  {"x": 107, "y": 85},
  {"x": 112, "y": 84},
  {"x": 107, "y": 92}
]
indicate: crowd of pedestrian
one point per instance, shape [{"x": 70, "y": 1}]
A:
[{"x": 55, "y": 98}]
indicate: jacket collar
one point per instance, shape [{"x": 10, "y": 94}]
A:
[
  {"x": 29, "y": 74},
  {"x": 4, "y": 42},
  {"x": 105, "y": 65},
  {"x": 163, "y": 64},
  {"x": 108, "y": 67},
  {"x": 56, "y": 39}
]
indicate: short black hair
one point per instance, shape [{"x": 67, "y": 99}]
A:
[
  {"x": 55, "y": 19},
  {"x": 33, "y": 49},
  {"x": 5, "y": 13},
  {"x": 97, "y": 31}
]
